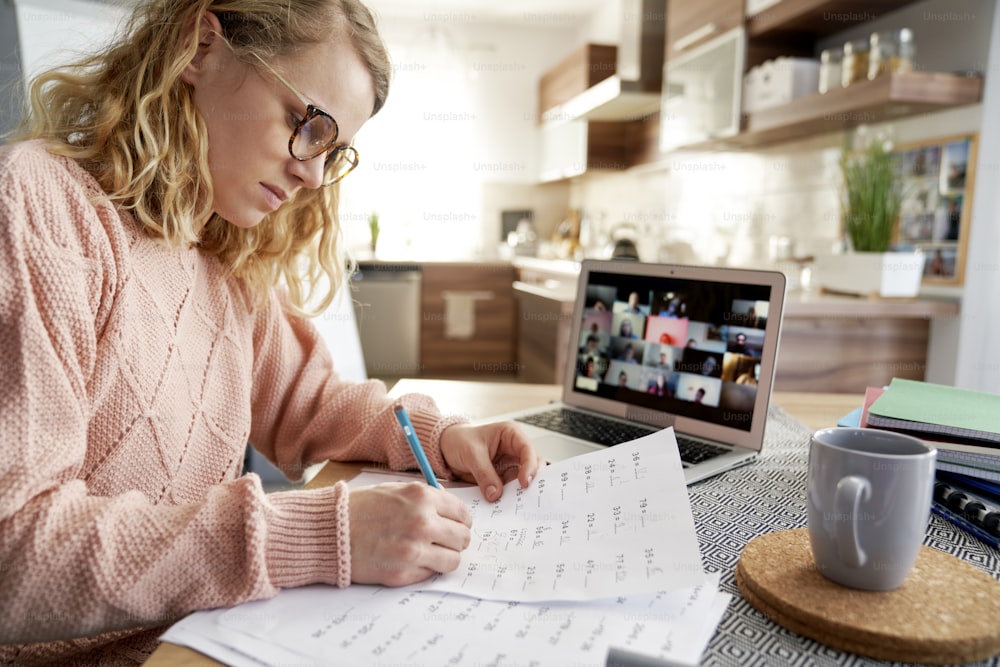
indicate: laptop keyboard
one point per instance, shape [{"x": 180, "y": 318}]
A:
[{"x": 609, "y": 432}]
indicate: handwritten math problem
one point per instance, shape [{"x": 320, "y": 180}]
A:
[
  {"x": 423, "y": 628},
  {"x": 598, "y": 554},
  {"x": 587, "y": 528}
]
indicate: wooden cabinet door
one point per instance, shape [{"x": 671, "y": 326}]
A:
[
  {"x": 468, "y": 321},
  {"x": 581, "y": 69},
  {"x": 694, "y": 22}
]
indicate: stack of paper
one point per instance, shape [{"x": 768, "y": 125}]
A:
[{"x": 598, "y": 554}]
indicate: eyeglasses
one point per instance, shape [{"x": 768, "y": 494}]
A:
[{"x": 314, "y": 134}]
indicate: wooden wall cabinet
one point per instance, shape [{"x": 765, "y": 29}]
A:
[
  {"x": 691, "y": 23},
  {"x": 468, "y": 324},
  {"x": 793, "y": 28},
  {"x": 586, "y": 66},
  {"x": 571, "y": 147}
]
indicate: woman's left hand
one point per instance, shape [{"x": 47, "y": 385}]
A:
[{"x": 490, "y": 455}]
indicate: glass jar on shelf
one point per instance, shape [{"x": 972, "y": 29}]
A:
[
  {"x": 830, "y": 65},
  {"x": 854, "y": 66},
  {"x": 891, "y": 51}
]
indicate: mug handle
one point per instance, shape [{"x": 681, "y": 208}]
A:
[{"x": 848, "y": 496}]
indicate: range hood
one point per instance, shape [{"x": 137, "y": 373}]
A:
[{"x": 633, "y": 91}]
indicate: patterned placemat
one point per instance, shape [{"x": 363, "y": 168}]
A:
[
  {"x": 732, "y": 509},
  {"x": 946, "y": 612}
]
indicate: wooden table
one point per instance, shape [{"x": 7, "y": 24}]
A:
[{"x": 482, "y": 399}]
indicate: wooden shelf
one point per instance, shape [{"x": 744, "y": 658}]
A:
[
  {"x": 886, "y": 98},
  {"x": 811, "y": 19}
]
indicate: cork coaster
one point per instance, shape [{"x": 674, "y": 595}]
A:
[{"x": 946, "y": 611}]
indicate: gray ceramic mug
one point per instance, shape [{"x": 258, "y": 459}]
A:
[{"x": 869, "y": 498}]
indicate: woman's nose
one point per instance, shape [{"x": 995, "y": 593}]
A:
[{"x": 310, "y": 172}]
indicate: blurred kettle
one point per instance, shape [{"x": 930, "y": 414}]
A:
[{"x": 622, "y": 242}]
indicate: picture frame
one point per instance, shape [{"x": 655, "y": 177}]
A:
[{"x": 937, "y": 178}]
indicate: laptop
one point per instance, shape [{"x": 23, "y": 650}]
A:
[{"x": 658, "y": 345}]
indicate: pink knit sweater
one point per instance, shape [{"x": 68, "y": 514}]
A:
[{"x": 133, "y": 375}]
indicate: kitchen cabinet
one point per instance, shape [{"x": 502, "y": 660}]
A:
[
  {"x": 573, "y": 147},
  {"x": 703, "y": 91},
  {"x": 789, "y": 28},
  {"x": 468, "y": 321},
  {"x": 585, "y": 67},
  {"x": 569, "y": 147},
  {"x": 691, "y": 24},
  {"x": 545, "y": 293},
  {"x": 793, "y": 28},
  {"x": 804, "y": 21},
  {"x": 597, "y": 99}
]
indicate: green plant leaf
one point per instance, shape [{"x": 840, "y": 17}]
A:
[{"x": 872, "y": 197}]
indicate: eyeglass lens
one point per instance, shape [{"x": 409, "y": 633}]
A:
[
  {"x": 340, "y": 162},
  {"x": 314, "y": 136}
]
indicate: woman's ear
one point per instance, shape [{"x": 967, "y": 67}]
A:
[{"x": 208, "y": 31}]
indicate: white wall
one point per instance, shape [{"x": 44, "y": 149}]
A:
[
  {"x": 38, "y": 34},
  {"x": 460, "y": 118},
  {"x": 978, "y": 353},
  {"x": 54, "y": 32}
]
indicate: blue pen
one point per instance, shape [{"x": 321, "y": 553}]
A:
[{"x": 418, "y": 451}]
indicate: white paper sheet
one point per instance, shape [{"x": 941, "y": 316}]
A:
[
  {"x": 372, "y": 625},
  {"x": 599, "y": 552},
  {"x": 612, "y": 522}
]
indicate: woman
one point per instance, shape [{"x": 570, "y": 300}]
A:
[{"x": 161, "y": 193}]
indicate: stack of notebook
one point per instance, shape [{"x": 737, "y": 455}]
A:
[{"x": 964, "y": 426}]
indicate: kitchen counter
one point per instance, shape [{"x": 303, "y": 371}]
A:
[
  {"x": 829, "y": 342},
  {"x": 816, "y": 303},
  {"x": 559, "y": 275},
  {"x": 563, "y": 267}
]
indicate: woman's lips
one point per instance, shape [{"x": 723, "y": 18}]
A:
[{"x": 275, "y": 196}]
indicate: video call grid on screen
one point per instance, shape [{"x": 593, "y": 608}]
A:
[{"x": 688, "y": 347}]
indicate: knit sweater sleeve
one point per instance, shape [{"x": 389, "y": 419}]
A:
[
  {"x": 73, "y": 563},
  {"x": 304, "y": 413}
]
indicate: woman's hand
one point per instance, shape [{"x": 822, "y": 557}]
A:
[
  {"x": 490, "y": 455},
  {"x": 402, "y": 533}
]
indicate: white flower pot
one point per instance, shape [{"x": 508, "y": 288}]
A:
[{"x": 887, "y": 274}]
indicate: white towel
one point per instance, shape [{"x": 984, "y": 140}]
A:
[{"x": 460, "y": 313}]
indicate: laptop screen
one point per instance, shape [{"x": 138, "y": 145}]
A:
[{"x": 688, "y": 341}]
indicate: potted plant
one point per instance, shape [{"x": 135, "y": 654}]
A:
[
  {"x": 871, "y": 202},
  {"x": 872, "y": 197}
]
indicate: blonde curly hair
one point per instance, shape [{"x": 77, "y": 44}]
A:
[{"x": 127, "y": 117}]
